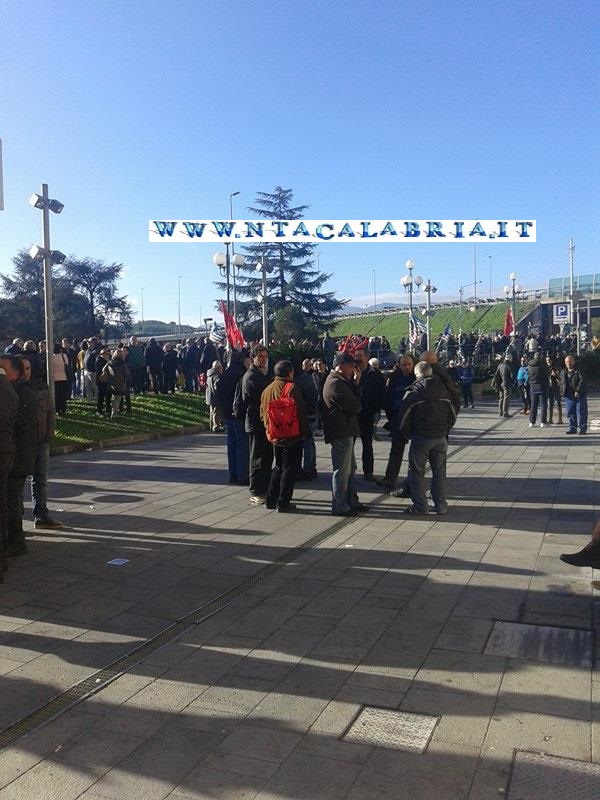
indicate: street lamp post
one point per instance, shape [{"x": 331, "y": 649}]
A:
[
  {"x": 223, "y": 262},
  {"x": 179, "y": 277},
  {"x": 429, "y": 288},
  {"x": 50, "y": 257},
  {"x": 263, "y": 268},
  {"x": 231, "y": 196},
  {"x": 410, "y": 285}
]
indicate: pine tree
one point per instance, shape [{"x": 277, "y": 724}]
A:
[{"x": 292, "y": 279}]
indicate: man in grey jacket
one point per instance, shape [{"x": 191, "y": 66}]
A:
[{"x": 341, "y": 402}]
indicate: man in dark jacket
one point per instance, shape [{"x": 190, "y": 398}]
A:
[
  {"x": 372, "y": 396},
  {"x": 574, "y": 391},
  {"x": 426, "y": 415},
  {"x": 310, "y": 394},
  {"x": 254, "y": 382},
  {"x": 45, "y": 427},
  {"x": 25, "y": 451},
  {"x": 401, "y": 378},
  {"x": 341, "y": 406},
  {"x": 9, "y": 408},
  {"x": 153, "y": 358},
  {"x": 237, "y": 438},
  {"x": 287, "y": 452},
  {"x": 503, "y": 383},
  {"x": 539, "y": 382}
]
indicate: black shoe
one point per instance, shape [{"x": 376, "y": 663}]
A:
[
  {"x": 12, "y": 549},
  {"x": 588, "y": 557},
  {"x": 289, "y": 507}
]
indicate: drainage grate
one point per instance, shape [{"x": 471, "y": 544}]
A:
[
  {"x": 396, "y": 730},
  {"x": 570, "y": 646},
  {"x": 98, "y": 680},
  {"x": 535, "y": 776}
]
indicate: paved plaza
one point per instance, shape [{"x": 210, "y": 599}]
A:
[{"x": 301, "y": 656}]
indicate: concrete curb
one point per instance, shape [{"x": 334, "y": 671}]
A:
[{"x": 135, "y": 438}]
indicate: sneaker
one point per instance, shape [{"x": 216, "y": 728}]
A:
[
  {"x": 257, "y": 499},
  {"x": 47, "y": 524}
]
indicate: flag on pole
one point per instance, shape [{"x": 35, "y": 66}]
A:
[
  {"x": 416, "y": 328},
  {"x": 509, "y": 323},
  {"x": 215, "y": 334},
  {"x": 233, "y": 333}
]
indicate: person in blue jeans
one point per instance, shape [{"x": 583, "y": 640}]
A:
[
  {"x": 574, "y": 391},
  {"x": 466, "y": 374}
]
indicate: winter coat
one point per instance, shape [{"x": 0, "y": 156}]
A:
[
  {"x": 25, "y": 430},
  {"x": 341, "y": 406},
  {"x": 212, "y": 396},
  {"x": 118, "y": 371},
  {"x": 427, "y": 410},
  {"x": 274, "y": 391},
  {"x": 9, "y": 409},
  {"x": 254, "y": 383},
  {"x": 153, "y": 357},
  {"x": 310, "y": 394}
]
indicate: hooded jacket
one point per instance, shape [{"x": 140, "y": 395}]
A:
[{"x": 427, "y": 410}]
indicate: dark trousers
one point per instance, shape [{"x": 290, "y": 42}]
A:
[
  {"x": 14, "y": 502},
  {"x": 467, "y": 393},
  {"x": 104, "y": 398},
  {"x": 395, "y": 458},
  {"x": 538, "y": 398},
  {"x": 283, "y": 476},
  {"x": 261, "y": 461},
  {"x": 62, "y": 392},
  {"x": 421, "y": 451},
  {"x": 365, "y": 424}
]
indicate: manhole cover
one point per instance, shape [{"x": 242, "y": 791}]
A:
[
  {"x": 535, "y": 776},
  {"x": 545, "y": 643},
  {"x": 397, "y": 730}
]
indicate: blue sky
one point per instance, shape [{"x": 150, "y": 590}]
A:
[{"x": 399, "y": 110}]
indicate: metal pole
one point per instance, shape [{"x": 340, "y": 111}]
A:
[
  {"x": 428, "y": 290},
  {"x": 264, "y": 304},
  {"x": 227, "y": 265},
  {"x": 48, "y": 309}
]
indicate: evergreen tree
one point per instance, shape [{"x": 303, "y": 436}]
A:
[{"x": 292, "y": 277}]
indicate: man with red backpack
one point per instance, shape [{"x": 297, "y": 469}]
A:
[{"x": 283, "y": 415}]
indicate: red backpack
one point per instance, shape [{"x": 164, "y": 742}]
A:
[{"x": 282, "y": 417}]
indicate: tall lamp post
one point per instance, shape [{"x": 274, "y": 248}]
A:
[
  {"x": 224, "y": 262},
  {"x": 262, "y": 267},
  {"x": 411, "y": 284},
  {"x": 43, "y": 202},
  {"x": 429, "y": 288},
  {"x": 231, "y": 196},
  {"x": 515, "y": 288},
  {"x": 179, "y": 277}
]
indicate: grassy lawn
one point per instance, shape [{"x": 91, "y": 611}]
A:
[
  {"x": 488, "y": 319},
  {"x": 149, "y": 414}
]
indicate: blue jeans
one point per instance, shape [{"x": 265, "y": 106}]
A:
[
  {"x": 577, "y": 413},
  {"x": 309, "y": 448},
  {"x": 238, "y": 457},
  {"x": 421, "y": 451},
  {"x": 343, "y": 481},
  {"x": 39, "y": 482}
]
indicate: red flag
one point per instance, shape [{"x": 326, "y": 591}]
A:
[
  {"x": 233, "y": 333},
  {"x": 509, "y": 323}
]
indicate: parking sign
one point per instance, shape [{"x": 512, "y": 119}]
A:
[{"x": 562, "y": 314}]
